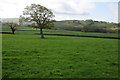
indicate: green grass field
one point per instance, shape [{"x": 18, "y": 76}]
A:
[
  {"x": 47, "y": 31},
  {"x": 25, "y": 55}
]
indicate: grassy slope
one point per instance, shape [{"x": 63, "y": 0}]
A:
[
  {"x": 28, "y": 56},
  {"x": 79, "y": 23},
  {"x": 81, "y": 33}
]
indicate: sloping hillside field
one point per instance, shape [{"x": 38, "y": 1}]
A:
[{"x": 25, "y": 55}]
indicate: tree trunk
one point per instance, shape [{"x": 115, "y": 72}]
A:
[
  {"x": 41, "y": 33},
  {"x": 13, "y": 31}
]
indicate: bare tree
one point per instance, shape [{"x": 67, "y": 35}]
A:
[{"x": 13, "y": 26}]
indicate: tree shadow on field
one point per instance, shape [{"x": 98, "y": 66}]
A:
[
  {"x": 50, "y": 38},
  {"x": 80, "y": 36},
  {"x": 6, "y": 33}
]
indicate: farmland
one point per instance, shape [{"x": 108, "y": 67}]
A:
[
  {"x": 49, "y": 39},
  {"x": 25, "y": 55}
]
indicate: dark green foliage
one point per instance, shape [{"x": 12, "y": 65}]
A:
[
  {"x": 118, "y": 24},
  {"x": 86, "y": 26}
]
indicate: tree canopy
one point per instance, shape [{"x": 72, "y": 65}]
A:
[{"x": 39, "y": 15}]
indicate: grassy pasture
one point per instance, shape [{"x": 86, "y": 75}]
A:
[
  {"x": 25, "y": 55},
  {"x": 47, "y": 31},
  {"x": 81, "y": 33}
]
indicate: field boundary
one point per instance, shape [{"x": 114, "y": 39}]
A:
[
  {"x": 80, "y": 36},
  {"x": 69, "y": 35}
]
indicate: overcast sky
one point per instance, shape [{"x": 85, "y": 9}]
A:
[{"x": 101, "y": 10}]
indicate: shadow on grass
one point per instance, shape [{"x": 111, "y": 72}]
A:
[
  {"x": 80, "y": 36},
  {"x": 6, "y": 33}
]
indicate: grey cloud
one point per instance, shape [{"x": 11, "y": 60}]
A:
[
  {"x": 66, "y": 7},
  {"x": 71, "y": 13},
  {"x": 69, "y": 8}
]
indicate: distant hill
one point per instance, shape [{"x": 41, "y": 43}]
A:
[
  {"x": 9, "y": 20},
  {"x": 73, "y": 23},
  {"x": 78, "y": 25},
  {"x": 81, "y": 23}
]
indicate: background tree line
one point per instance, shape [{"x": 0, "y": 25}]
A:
[{"x": 88, "y": 26}]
